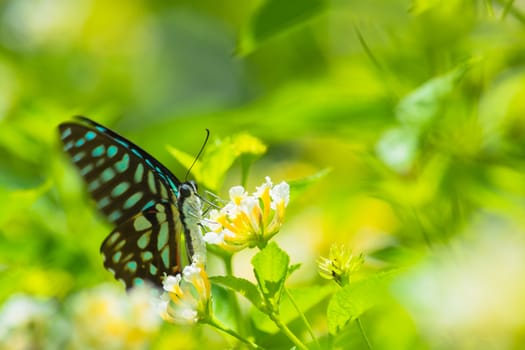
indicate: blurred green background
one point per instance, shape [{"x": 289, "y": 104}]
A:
[{"x": 414, "y": 108}]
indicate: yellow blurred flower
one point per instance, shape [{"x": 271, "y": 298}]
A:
[
  {"x": 27, "y": 320},
  {"x": 340, "y": 264},
  {"x": 248, "y": 220},
  {"x": 187, "y": 296},
  {"x": 105, "y": 318}
]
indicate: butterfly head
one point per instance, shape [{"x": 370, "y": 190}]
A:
[
  {"x": 188, "y": 189},
  {"x": 190, "y": 202}
]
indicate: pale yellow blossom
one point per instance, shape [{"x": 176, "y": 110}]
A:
[
  {"x": 187, "y": 296},
  {"x": 340, "y": 264},
  {"x": 248, "y": 220}
]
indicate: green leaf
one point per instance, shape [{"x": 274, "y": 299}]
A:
[
  {"x": 271, "y": 267},
  {"x": 300, "y": 185},
  {"x": 185, "y": 159},
  {"x": 423, "y": 104},
  {"x": 355, "y": 298},
  {"x": 241, "y": 286},
  {"x": 305, "y": 298},
  {"x": 276, "y": 17},
  {"x": 222, "y": 301},
  {"x": 219, "y": 157}
]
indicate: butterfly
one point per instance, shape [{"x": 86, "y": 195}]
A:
[{"x": 151, "y": 209}]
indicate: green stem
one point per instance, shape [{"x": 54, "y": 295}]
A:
[
  {"x": 228, "y": 266},
  {"x": 362, "y": 330},
  {"x": 275, "y": 318},
  {"x": 303, "y": 318},
  {"x": 214, "y": 322},
  {"x": 245, "y": 168}
]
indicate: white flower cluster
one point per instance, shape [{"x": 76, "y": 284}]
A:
[
  {"x": 248, "y": 220},
  {"x": 187, "y": 296}
]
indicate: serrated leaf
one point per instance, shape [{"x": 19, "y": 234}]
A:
[
  {"x": 275, "y": 17},
  {"x": 240, "y": 285},
  {"x": 355, "y": 298},
  {"x": 271, "y": 267},
  {"x": 305, "y": 298}
]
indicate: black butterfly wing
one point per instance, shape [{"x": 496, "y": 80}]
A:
[
  {"x": 145, "y": 247},
  {"x": 121, "y": 177}
]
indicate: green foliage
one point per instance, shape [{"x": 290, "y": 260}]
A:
[
  {"x": 271, "y": 267},
  {"x": 354, "y": 299},
  {"x": 424, "y": 103},
  {"x": 300, "y": 185},
  {"x": 305, "y": 299},
  {"x": 219, "y": 157},
  {"x": 241, "y": 286},
  {"x": 398, "y": 125},
  {"x": 275, "y": 17}
]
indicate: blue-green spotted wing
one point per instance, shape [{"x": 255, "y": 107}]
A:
[
  {"x": 144, "y": 247},
  {"x": 122, "y": 178},
  {"x": 149, "y": 206}
]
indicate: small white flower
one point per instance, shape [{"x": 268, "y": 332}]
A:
[
  {"x": 211, "y": 222},
  {"x": 266, "y": 185},
  {"x": 214, "y": 237},
  {"x": 187, "y": 296},
  {"x": 170, "y": 282},
  {"x": 189, "y": 315},
  {"x": 280, "y": 193},
  {"x": 248, "y": 204},
  {"x": 231, "y": 209},
  {"x": 227, "y": 233},
  {"x": 190, "y": 271},
  {"x": 237, "y": 194},
  {"x": 248, "y": 220}
]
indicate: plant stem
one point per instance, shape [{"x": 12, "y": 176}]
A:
[
  {"x": 214, "y": 322},
  {"x": 275, "y": 318},
  {"x": 228, "y": 266},
  {"x": 362, "y": 330},
  {"x": 303, "y": 318}
]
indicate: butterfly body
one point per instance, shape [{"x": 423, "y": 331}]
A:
[{"x": 149, "y": 206}]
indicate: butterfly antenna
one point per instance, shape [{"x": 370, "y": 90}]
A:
[
  {"x": 198, "y": 154},
  {"x": 215, "y": 197},
  {"x": 210, "y": 203}
]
